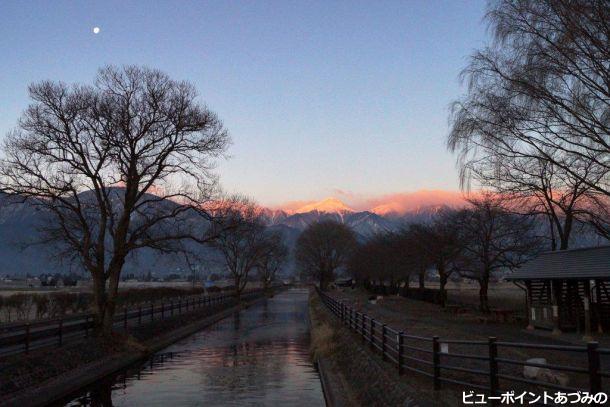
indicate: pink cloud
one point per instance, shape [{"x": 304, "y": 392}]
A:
[
  {"x": 398, "y": 203},
  {"x": 403, "y": 202}
]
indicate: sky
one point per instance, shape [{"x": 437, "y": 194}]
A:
[{"x": 321, "y": 98}]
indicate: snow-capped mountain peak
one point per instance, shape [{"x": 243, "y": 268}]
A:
[{"x": 328, "y": 205}]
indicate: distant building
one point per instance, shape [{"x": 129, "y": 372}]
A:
[{"x": 568, "y": 290}]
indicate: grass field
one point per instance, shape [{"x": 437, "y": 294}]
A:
[{"x": 501, "y": 295}]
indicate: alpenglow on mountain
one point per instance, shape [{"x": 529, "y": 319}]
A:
[
  {"x": 19, "y": 225},
  {"x": 364, "y": 223}
]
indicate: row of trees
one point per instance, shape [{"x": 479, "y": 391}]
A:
[
  {"x": 478, "y": 242},
  {"x": 534, "y": 124}
]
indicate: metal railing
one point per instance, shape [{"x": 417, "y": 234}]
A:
[
  {"x": 23, "y": 337},
  {"x": 481, "y": 368}
]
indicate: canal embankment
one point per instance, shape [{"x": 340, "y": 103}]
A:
[
  {"x": 46, "y": 375},
  {"x": 351, "y": 374}
]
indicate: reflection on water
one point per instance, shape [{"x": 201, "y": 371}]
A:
[{"x": 256, "y": 357}]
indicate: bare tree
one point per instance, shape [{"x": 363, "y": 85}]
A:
[
  {"x": 597, "y": 215},
  {"x": 118, "y": 166},
  {"x": 273, "y": 257},
  {"x": 324, "y": 247},
  {"x": 440, "y": 243},
  {"x": 534, "y": 123},
  {"x": 413, "y": 242},
  {"x": 492, "y": 240},
  {"x": 537, "y": 187},
  {"x": 540, "y": 90},
  {"x": 241, "y": 239}
]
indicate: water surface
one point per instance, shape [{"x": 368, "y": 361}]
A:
[{"x": 256, "y": 357}]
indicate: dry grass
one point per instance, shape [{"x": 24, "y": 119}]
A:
[
  {"x": 322, "y": 340},
  {"x": 501, "y": 295},
  {"x": 353, "y": 368}
]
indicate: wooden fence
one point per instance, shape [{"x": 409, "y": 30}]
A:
[
  {"x": 23, "y": 337},
  {"x": 430, "y": 356}
]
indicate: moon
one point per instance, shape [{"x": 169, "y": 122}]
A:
[{"x": 96, "y": 30}]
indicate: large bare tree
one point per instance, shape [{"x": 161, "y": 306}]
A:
[
  {"x": 541, "y": 88},
  {"x": 117, "y": 166},
  {"x": 535, "y": 120},
  {"x": 322, "y": 248}
]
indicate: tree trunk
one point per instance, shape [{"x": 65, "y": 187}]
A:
[
  {"x": 238, "y": 289},
  {"x": 483, "y": 298},
  {"x": 442, "y": 290},
  {"x": 552, "y": 233},
  {"x": 422, "y": 277},
  {"x": 99, "y": 294},
  {"x": 565, "y": 236},
  {"x": 111, "y": 295}
]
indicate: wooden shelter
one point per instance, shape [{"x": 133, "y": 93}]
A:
[{"x": 568, "y": 290}]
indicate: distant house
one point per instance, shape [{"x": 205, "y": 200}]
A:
[{"x": 568, "y": 290}]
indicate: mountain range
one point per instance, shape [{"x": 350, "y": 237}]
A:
[
  {"x": 363, "y": 222},
  {"x": 19, "y": 224}
]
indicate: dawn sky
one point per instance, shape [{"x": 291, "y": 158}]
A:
[{"x": 348, "y": 99}]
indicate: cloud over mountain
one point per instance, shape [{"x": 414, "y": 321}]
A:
[{"x": 402, "y": 203}]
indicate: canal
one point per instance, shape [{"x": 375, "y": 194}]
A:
[{"x": 258, "y": 356}]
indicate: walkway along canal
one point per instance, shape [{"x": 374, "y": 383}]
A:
[{"x": 259, "y": 356}]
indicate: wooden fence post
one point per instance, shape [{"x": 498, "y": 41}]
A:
[
  {"x": 493, "y": 368},
  {"x": 595, "y": 383},
  {"x": 152, "y": 312},
  {"x": 27, "y": 338},
  {"x": 372, "y": 334},
  {"x": 61, "y": 331},
  {"x": 140, "y": 315},
  {"x": 162, "y": 310},
  {"x": 179, "y": 307},
  {"x": 349, "y": 324},
  {"x": 436, "y": 361},
  {"x": 125, "y": 318},
  {"x": 383, "y": 342},
  {"x": 400, "y": 352},
  {"x": 362, "y": 327}
]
